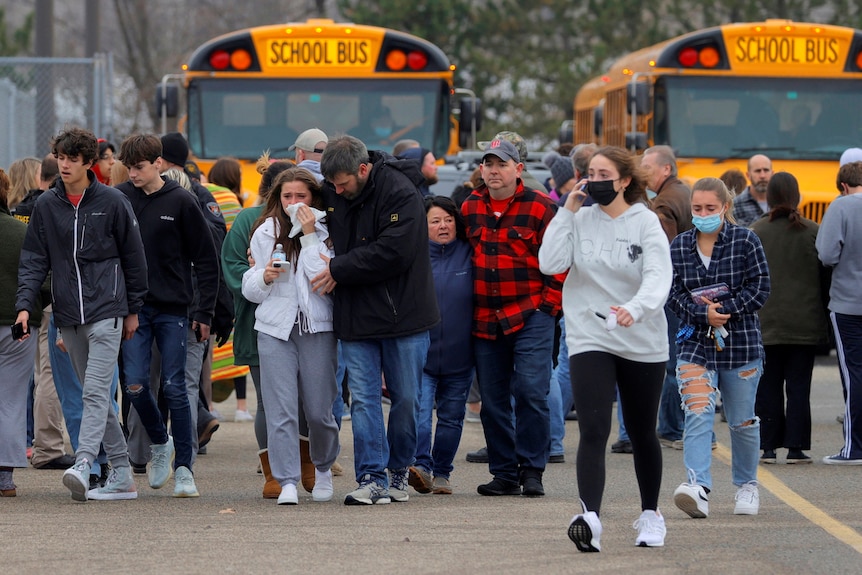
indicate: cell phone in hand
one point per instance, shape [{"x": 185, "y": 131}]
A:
[
  {"x": 198, "y": 334},
  {"x": 18, "y": 331}
]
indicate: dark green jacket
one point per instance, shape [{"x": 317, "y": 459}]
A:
[
  {"x": 12, "y": 233},
  {"x": 795, "y": 313},
  {"x": 234, "y": 263}
]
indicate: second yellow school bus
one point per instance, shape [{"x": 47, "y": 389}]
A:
[
  {"x": 789, "y": 90},
  {"x": 257, "y": 89}
]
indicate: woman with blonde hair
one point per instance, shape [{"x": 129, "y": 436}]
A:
[
  {"x": 720, "y": 281},
  {"x": 24, "y": 176}
]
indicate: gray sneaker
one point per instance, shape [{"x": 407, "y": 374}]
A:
[
  {"x": 420, "y": 479},
  {"x": 119, "y": 486},
  {"x": 161, "y": 461},
  {"x": 398, "y": 485},
  {"x": 368, "y": 493},
  {"x": 185, "y": 483},
  {"x": 77, "y": 479}
]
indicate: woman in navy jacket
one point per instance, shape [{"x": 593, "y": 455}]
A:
[{"x": 448, "y": 370}]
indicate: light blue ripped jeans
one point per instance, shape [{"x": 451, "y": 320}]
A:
[{"x": 698, "y": 388}]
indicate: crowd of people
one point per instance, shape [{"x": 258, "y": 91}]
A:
[{"x": 614, "y": 283}]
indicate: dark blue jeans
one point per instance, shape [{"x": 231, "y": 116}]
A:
[
  {"x": 519, "y": 366},
  {"x": 671, "y": 417},
  {"x": 169, "y": 333},
  {"x": 449, "y": 394}
]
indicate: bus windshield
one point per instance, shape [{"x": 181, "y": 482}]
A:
[
  {"x": 786, "y": 118},
  {"x": 227, "y": 117}
]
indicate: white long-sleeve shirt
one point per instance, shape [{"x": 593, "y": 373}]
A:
[{"x": 622, "y": 261}]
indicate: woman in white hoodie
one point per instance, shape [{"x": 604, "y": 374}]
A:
[
  {"x": 296, "y": 343},
  {"x": 613, "y": 298}
]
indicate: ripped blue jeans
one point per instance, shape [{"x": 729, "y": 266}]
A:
[{"x": 698, "y": 388}]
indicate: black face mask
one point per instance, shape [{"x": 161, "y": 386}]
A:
[{"x": 602, "y": 191}]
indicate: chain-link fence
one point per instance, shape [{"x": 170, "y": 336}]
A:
[{"x": 41, "y": 96}]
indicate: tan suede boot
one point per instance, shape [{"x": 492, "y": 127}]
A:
[
  {"x": 271, "y": 489},
  {"x": 307, "y": 465}
]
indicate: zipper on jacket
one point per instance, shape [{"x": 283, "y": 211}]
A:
[
  {"x": 83, "y": 231},
  {"x": 391, "y": 303},
  {"x": 116, "y": 279},
  {"x": 75, "y": 258}
]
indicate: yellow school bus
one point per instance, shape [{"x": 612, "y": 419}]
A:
[
  {"x": 257, "y": 89},
  {"x": 717, "y": 96}
]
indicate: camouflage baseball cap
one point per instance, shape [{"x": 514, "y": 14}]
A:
[{"x": 516, "y": 140}]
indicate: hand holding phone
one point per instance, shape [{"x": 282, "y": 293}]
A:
[
  {"x": 18, "y": 332},
  {"x": 198, "y": 334}
]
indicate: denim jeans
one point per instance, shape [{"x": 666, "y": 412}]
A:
[
  {"x": 169, "y": 333},
  {"x": 516, "y": 366},
  {"x": 70, "y": 391},
  {"x": 738, "y": 388},
  {"x": 450, "y": 395},
  {"x": 376, "y": 446},
  {"x": 561, "y": 374},
  {"x": 671, "y": 419},
  {"x": 557, "y": 415}
]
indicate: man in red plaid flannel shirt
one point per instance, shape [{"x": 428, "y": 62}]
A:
[{"x": 513, "y": 321}]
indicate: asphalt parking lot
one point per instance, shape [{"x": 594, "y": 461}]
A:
[{"x": 810, "y": 519}]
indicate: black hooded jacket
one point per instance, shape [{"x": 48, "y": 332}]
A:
[
  {"x": 94, "y": 252},
  {"x": 385, "y": 286},
  {"x": 176, "y": 236}
]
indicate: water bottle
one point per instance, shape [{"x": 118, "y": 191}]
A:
[{"x": 278, "y": 256}]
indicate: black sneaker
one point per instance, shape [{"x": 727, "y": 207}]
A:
[
  {"x": 622, "y": 447},
  {"x": 797, "y": 456},
  {"x": 768, "y": 456},
  {"x": 478, "y": 456},
  {"x": 531, "y": 483},
  {"x": 499, "y": 486}
]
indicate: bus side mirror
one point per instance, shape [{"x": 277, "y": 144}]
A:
[
  {"x": 170, "y": 99},
  {"x": 636, "y": 140},
  {"x": 637, "y": 95},
  {"x": 567, "y": 132},
  {"x": 470, "y": 121}
]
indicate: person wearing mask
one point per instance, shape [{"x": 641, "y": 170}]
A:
[
  {"x": 793, "y": 322},
  {"x": 839, "y": 246},
  {"x": 720, "y": 282},
  {"x": 449, "y": 368},
  {"x": 618, "y": 274}
]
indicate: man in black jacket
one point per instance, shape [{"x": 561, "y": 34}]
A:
[
  {"x": 175, "y": 237},
  {"x": 384, "y": 305},
  {"x": 86, "y": 234}
]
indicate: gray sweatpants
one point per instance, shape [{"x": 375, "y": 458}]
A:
[
  {"x": 301, "y": 368},
  {"x": 93, "y": 349}
]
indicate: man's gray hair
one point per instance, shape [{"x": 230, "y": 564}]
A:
[
  {"x": 343, "y": 155},
  {"x": 581, "y": 155},
  {"x": 665, "y": 157}
]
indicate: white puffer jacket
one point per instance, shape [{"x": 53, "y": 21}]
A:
[{"x": 281, "y": 302}]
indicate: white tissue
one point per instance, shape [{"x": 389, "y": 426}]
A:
[{"x": 297, "y": 227}]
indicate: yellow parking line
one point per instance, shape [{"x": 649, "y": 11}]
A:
[{"x": 804, "y": 507}]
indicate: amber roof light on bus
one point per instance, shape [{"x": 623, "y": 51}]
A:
[
  {"x": 228, "y": 53},
  {"x": 703, "y": 50},
  {"x": 396, "y": 60}
]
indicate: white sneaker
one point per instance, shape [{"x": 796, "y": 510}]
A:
[
  {"x": 241, "y": 416},
  {"x": 185, "y": 483},
  {"x": 161, "y": 461},
  {"x": 77, "y": 479},
  {"x": 288, "y": 495},
  {"x": 747, "y": 500},
  {"x": 585, "y": 531},
  {"x": 119, "y": 486},
  {"x": 651, "y": 529},
  {"x": 322, "y": 485},
  {"x": 692, "y": 499}
]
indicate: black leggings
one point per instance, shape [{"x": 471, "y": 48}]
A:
[{"x": 595, "y": 376}]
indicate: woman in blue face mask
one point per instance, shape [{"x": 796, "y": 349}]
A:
[{"x": 720, "y": 280}]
